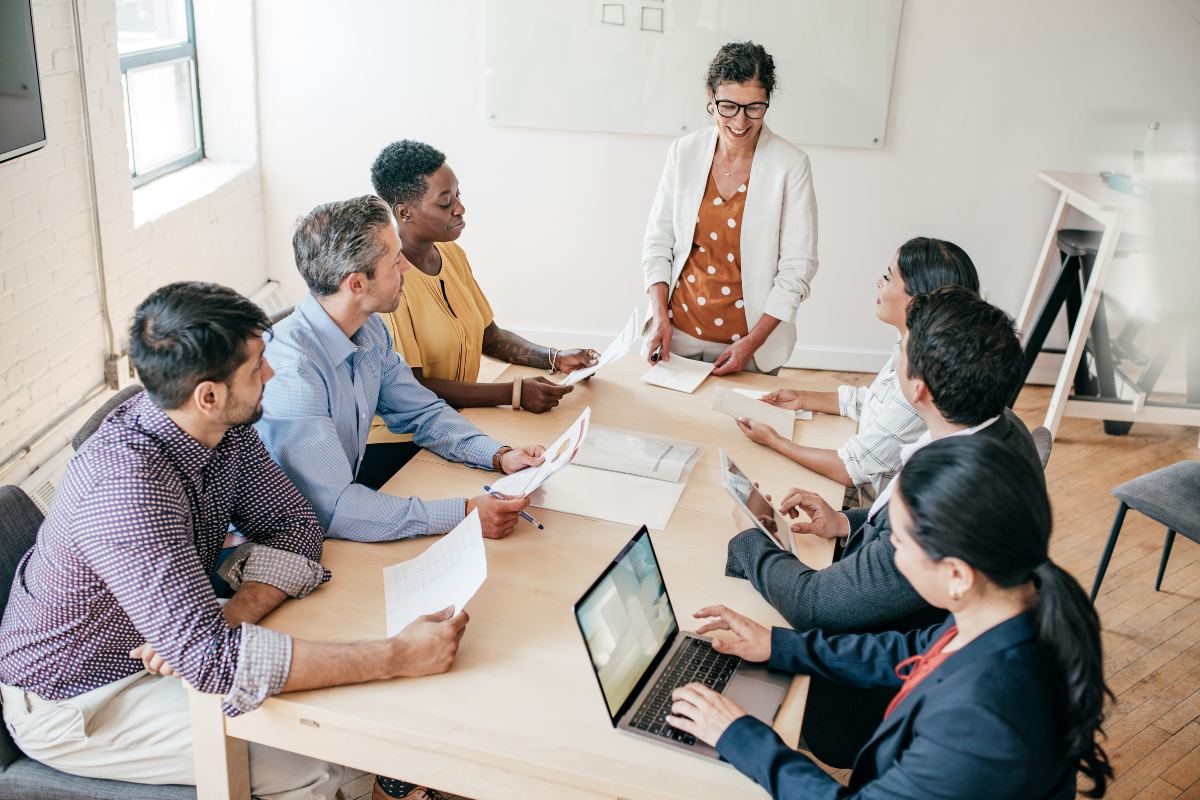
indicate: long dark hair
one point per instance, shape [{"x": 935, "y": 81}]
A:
[
  {"x": 927, "y": 264},
  {"x": 978, "y": 500}
]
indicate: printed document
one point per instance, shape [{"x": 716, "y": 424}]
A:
[
  {"x": 615, "y": 350},
  {"x": 557, "y": 456},
  {"x": 449, "y": 573},
  {"x": 739, "y": 406},
  {"x": 681, "y": 374},
  {"x": 637, "y": 454},
  {"x": 759, "y": 394},
  {"x": 612, "y": 496}
]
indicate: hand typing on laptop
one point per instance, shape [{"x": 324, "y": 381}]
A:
[{"x": 700, "y": 711}]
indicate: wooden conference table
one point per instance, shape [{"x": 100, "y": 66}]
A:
[{"x": 520, "y": 714}]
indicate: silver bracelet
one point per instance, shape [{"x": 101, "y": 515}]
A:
[{"x": 552, "y": 356}]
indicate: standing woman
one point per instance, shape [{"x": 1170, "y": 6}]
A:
[
  {"x": 1004, "y": 700},
  {"x": 731, "y": 243}
]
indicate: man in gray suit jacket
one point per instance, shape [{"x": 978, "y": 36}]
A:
[{"x": 960, "y": 362}]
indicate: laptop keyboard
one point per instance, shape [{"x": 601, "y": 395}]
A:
[{"x": 694, "y": 662}]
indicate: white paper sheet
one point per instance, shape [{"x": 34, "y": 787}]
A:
[
  {"x": 679, "y": 373},
  {"x": 558, "y": 455},
  {"x": 758, "y": 394},
  {"x": 636, "y": 454},
  {"x": 611, "y": 496},
  {"x": 615, "y": 350},
  {"x": 738, "y": 406},
  {"x": 449, "y": 573}
]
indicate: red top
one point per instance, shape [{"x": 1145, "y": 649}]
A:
[{"x": 922, "y": 665}]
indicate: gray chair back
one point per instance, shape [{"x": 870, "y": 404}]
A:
[
  {"x": 93, "y": 422},
  {"x": 19, "y": 523},
  {"x": 281, "y": 315},
  {"x": 1043, "y": 441}
]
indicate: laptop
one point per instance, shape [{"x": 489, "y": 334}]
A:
[
  {"x": 640, "y": 656},
  {"x": 768, "y": 519}
]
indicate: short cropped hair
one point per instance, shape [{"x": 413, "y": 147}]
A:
[
  {"x": 741, "y": 62},
  {"x": 400, "y": 171},
  {"x": 966, "y": 351},
  {"x": 927, "y": 264},
  {"x": 336, "y": 239},
  {"x": 189, "y": 332}
]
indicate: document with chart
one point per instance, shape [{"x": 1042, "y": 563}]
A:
[
  {"x": 616, "y": 349},
  {"x": 557, "y": 456},
  {"x": 449, "y": 573}
]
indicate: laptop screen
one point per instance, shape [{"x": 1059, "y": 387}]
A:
[{"x": 626, "y": 620}]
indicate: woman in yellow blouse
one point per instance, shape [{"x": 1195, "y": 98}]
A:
[{"x": 444, "y": 322}]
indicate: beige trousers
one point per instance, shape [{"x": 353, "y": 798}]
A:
[
  {"x": 138, "y": 729},
  {"x": 688, "y": 346}
]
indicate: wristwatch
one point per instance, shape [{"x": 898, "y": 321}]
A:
[{"x": 496, "y": 458}]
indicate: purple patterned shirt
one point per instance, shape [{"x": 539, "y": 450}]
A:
[{"x": 125, "y": 554}]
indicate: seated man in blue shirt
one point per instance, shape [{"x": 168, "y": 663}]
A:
[
  {"x": 113, "y": 605},
  {"x": 335, "y": 369}
]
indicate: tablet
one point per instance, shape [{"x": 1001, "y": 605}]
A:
[{"x": 768, "y": 519}]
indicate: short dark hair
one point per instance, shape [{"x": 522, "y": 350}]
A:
[
  {"x": 741, "y": 62},
  {"x": 400, "y": 170},
  {"x": 927, "y": 264},
  {"x": 335, "y": 239},
  {"x": 189, "y": 332},
  {"x": 966, "y": 351}
]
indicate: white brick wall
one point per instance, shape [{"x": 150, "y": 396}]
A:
[{"x": 52, "y": 343}]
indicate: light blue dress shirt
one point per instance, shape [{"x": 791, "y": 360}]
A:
[{"x": 317, "y": 413}]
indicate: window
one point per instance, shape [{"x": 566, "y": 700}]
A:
[{"x": 156, "y": 41}]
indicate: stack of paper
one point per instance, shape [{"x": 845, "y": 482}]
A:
[
  {"x": 557, "y": 456},
  {"x": 637, "y": 454},
  {"x": 615, "y": 350},
  {"x": 739, "y": 406},
  {"x": 759, "y": 394},
  {"x": 679, "y": 373},
  {"x": 449, "y": 573}
]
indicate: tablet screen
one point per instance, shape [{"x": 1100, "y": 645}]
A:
[{"x": 745, "y": 493}]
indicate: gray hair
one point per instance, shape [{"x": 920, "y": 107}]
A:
[{"x": 336, "y": 239}]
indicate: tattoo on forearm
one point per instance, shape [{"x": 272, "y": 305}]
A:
[{"x": 507, "y": 346}]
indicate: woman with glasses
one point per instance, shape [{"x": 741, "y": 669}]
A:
[
  {"x": 731, "y": 244},
  {"x": 1004, "y": 700}
]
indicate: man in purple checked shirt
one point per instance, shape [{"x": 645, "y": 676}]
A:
[{"x": 113, "y": 604}]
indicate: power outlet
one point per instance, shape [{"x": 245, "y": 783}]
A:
[{"x": 118, "y": 371}]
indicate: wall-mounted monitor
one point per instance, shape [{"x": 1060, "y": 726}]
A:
[{"x": 22, "y": 127}]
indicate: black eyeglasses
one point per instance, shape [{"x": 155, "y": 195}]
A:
[{"x": 730, "y": 109}]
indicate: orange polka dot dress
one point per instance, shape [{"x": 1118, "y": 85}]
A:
[{"x": 706, "y": 301}]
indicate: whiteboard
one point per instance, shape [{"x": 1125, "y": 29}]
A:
[{"x": 637, "y": 66}]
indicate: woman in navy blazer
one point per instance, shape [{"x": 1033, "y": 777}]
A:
[{"x": 1004, "y": 700}]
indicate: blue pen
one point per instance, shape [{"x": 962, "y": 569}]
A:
[{"x": 527, "y": 517}]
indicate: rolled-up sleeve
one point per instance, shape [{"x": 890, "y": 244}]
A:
[
  {"x": 262, "y": 669},
  {"x": 797, "y": 244},
  {"x": 658, "y": 245},
  {"x": 291, "y": 573}
]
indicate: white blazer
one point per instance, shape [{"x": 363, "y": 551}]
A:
[{"x": 778, "y": 231}]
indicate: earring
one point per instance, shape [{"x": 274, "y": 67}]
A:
[{"x": 956, "y": 594}]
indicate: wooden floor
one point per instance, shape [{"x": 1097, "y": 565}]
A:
[{"x": 1151, "y": 639}]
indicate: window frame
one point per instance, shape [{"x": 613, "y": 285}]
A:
[{"x": 164, "y": 55}]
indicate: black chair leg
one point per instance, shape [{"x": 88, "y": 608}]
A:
[
  {"x": 1108, "y": 550},
  {"x": 1162, "y": 565}
]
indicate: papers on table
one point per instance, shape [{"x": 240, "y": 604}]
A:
[
  {"x": 615, "y": 350},
  {"x": 558, "y": 455},
  {"x": 758, "y": 394},
  {"x": 739, "y": 406},
  {"x": 637, "y": 454},
  {"x": 447, "y": 574},
  {"x": 612, "y": 496},
  {"x": 679, "y": 373}
]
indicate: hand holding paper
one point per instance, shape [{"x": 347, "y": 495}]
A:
[
  {"x": 739, "y": 406},
  {"x": 556, "y": 456},
  {"x": 759, "y": 394},
  {"x": 447, "y": 574},
  {"x": 615, "y": 350}
]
